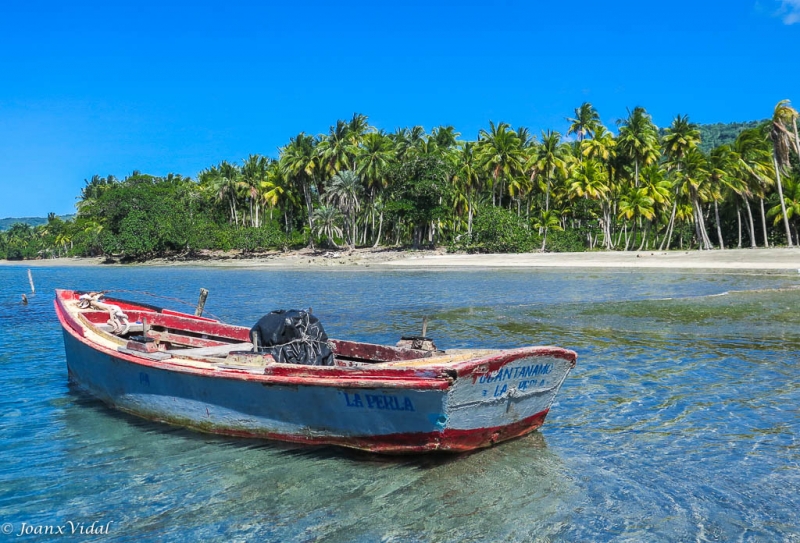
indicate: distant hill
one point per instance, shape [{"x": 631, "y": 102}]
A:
[
  {"x": 714, "y": 135},
  {"x": 8, "y": 222}
]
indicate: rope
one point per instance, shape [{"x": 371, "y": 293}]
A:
[{"x": 118, "y": 320}]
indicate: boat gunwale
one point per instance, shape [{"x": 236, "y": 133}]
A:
[{"x": 436, "y": 376}]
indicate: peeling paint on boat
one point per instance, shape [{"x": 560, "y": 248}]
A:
[{"x": 407, "y": 402}]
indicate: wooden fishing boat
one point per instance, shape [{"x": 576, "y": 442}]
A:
[{"x": 202, "y": 374}]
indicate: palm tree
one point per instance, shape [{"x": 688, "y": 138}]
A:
[
  {"x": 546, "y": 161},
  {"x": 92, "y": 191},
  {"x": 548, "y": 220},
  {"x": 400, "y": 142},
  {"x": 601, "y": 146},
  {"x": 658, "y": 188},
  {"x": 695, "y": 181},
  {"x": 590, "y": 180},
  {"x": 550, "y": 160},
  {"x": 301, "y": 164},
  {"x": 375, "y": 154},
  {"x": 273, "y": 190},
  {"x": 344, "y": 190},
  {"x": 325, "y": 221},
  {"x": 500, "y": 152},
  {"x": 63, "y": 239},
  {"x": 357, "y": 128},
  {"x": 19, "y": 233},
  {"x": 337, "y": 150},
  {"x": 681, "y": 138},
  {"x": 416, "y": 137},
  {"x": 445, "y": 137},
  {"x": 467, "y": 179},
  {"x": 585, "y": 122},
  {"x": 254, "y": 175},
  {"x": 374, "y": 157},
  {"x": 93, "y": 229},
  {"x": 721, "y": 165},
  {"x": 781, "y": 142},
  {"x": 753, "y": 167},
  {"x": 791, "y": 201},
  {"x": 225, "y": 183},
  {"x": 526, "y": 139},
  {"x": 376, "y": 206},
  {"x": 635, "y": 204},
  {"x": 638, "y": 140}
]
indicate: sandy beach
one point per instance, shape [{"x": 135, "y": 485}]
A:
[
  {"x": 733, "y": 259},
  {"x": 774, "y": 259}
]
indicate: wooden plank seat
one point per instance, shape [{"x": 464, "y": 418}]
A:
[
  {"x": 215, "y": 351},
  {"x": 132, "y": 328}
]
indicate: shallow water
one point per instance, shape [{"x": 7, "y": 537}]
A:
[{"x": 680, "y": 422}]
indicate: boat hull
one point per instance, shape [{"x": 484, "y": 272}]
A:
[{"x": 460, "y": 409}]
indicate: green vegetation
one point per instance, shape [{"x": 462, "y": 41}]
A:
[
  {"x": 716, "y": 134},
  {"x": 508, "y": 191},
  {"x": 7, "y": 223}
]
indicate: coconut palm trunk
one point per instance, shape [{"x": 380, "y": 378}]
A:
[
  {"x": 469, "y": 218},
  {"x": 796, "y": 140},
  {"x": 783, "y": 203},
  {"x": 644, "y": 233},
  {"x": 764, "y": 222},
  {"x": 700, "y": 226},
  {"x": 739, "y": 224},
  {"x": 380, "y": 229},
  {"x": 719, "y": 228},
  {"x": 750, "y": 222},
  {"x": 309, "y": 207},
  {"x": 668, "y": 236}
]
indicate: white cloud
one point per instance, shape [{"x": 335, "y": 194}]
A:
[{"x": 790, "y": 11}]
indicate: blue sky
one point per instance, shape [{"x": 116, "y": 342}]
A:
[{"x": 105, "y": 88}]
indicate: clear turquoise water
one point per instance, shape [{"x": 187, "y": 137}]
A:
[{"x": 680, "y": 423}]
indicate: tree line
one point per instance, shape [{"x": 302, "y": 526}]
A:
[{"x": 507, "y": 191}]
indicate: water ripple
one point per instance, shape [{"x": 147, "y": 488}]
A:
[{"x": 680, "y": 422}]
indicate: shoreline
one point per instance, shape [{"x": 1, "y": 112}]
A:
[{"x": 772, "y": 259}]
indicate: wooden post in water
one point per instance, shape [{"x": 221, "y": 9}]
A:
[
  {"x": 201, "y": 303},
  {"x": 30, "y": 280}
]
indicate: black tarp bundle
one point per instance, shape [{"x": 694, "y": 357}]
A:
[{"x": 293, "y": 337}]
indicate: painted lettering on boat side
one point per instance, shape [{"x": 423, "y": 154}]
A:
[
  {"x": 499, "y": 390},
  {"x": 520, "y": 372},
  {"x": 530, "y": 377},
  {"x": 378, "y": 401}
]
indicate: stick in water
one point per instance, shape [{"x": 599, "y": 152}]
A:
[{"x": 201, "y": 303}]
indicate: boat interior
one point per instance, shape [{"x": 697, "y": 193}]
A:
[{"x": 183, "y": 339}]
